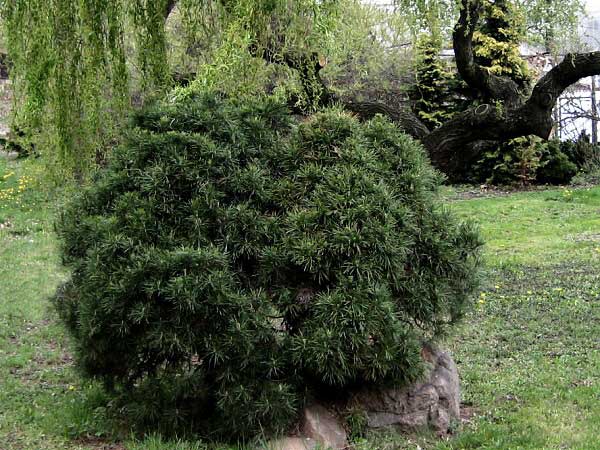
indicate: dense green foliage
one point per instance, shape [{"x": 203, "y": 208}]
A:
[
  {"x": 496, "y": 42},
  {"x": 515, "y": 161},
  {"x": 523, "y": 161},
  {"x": 540, "y": 252},
  {"x": 531, "y": 160},
  {"x": 433, "y": 80},
  {"x": 581, "y": 152},
  {"x": 556, "y": 167},
  {"x": 230, "y": 262}
]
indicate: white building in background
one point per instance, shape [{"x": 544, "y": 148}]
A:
[{"x": 578, "y": 108}]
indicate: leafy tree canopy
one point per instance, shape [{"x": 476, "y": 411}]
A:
[
  {"x": 543, "y": 19},
  {"x": 81, "y": 65}
]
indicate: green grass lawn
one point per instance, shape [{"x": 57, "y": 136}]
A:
[{"x": 529, "y": 353}]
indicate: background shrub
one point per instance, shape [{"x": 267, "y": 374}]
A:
[
  {"x": 231, "y": 262},
  {"x": 557, "y": 167},
  {"x": 581, "y": 152},
  {"x": 530, "y": 160},
  {"x": 513, "y": 162}
]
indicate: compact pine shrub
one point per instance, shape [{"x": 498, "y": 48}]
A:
[
  {"x": 556, "y": 167},
  {"x": 583, "y": 153},
  {"x": 231, "y": 262},
  {"x": 512, "y": 162}
]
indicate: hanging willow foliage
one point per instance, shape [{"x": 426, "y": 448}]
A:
[
  {"x": 70, "y": 73},
  {"x": 149, "y": 25},
  {"x": 77, "y": 62}
]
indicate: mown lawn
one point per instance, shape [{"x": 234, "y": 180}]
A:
[{"x": 529, "y": 353}]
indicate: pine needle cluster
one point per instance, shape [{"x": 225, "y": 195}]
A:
[{"x": 232, "y": 261}]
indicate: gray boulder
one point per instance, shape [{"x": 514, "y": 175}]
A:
[
  {"x": 434, "y": 402},
  {"x": 324, "y": 427}
]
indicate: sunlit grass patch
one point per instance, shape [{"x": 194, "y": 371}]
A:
[{"x": 537, "y": 228}]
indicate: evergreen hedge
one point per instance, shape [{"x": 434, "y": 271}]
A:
[{"x": 233, "y": 261}]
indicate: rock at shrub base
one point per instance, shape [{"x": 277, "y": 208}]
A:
[
  {"x": 293, "y": 443},
  {"x": 434, "y": 402},
  {"x": 322, "y": 426}
]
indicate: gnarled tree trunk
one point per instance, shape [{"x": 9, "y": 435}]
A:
[{"x": 510, "y": 112}]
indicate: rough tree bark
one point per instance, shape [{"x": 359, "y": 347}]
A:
[{"x": 508, "y": 111}]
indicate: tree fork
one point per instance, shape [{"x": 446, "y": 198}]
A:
[{"x": 508, "y": 113}]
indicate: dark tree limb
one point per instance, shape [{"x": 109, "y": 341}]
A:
[
  {"x": 451, "y": 146},
  {"x": 404, "y": 118},
  {"x": 537, "y": 110},
  {"x": 510, "y": 113}
]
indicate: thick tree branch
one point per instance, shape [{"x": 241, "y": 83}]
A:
[
  {"x": 491, "y": 86},
  {"x": 404, "y": 118},
  {"x": 573, "y": 68},
  {"x": 450, "y": 145}
]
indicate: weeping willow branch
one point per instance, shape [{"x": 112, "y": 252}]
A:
[{"x": 71, "y": 72}]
